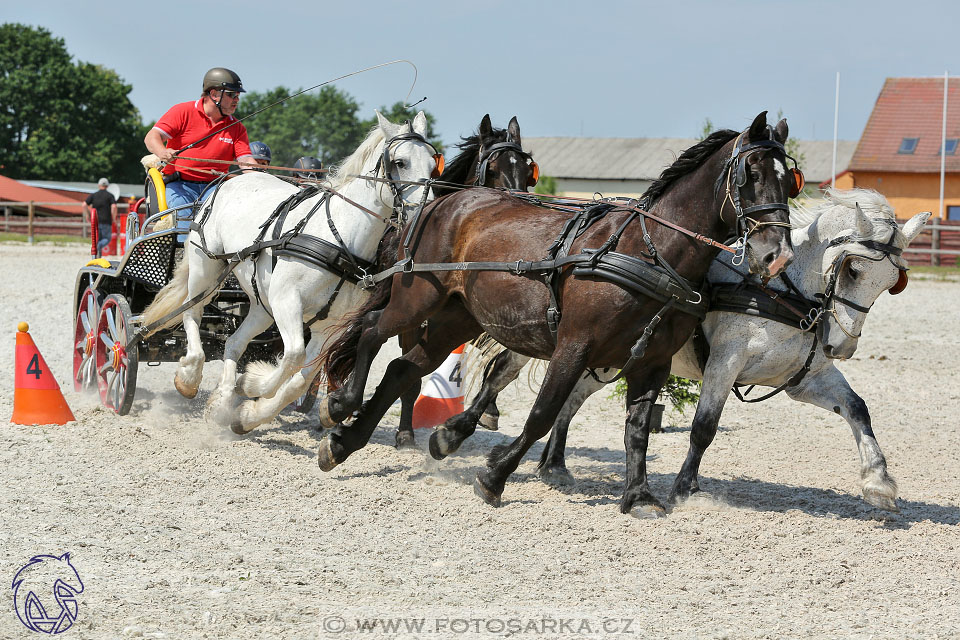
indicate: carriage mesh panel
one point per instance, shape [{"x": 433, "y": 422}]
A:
[{"x": 150, "y": 261}]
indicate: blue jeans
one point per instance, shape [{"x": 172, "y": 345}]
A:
[
  {"x": 104, "y": 235},
  {"x": 181, "y": 192}
]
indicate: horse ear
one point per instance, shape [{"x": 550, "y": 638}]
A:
[
  {"x": 758, "y": 129},
  {"x": 864, "y": 227},
  {"x": 514, "y": 129},
  {"x": 782, "y": 131},
  {"x": 912, "y": 227},
  {"x": 420, "y": 123},
  {"x": 486, "y": 127},
  {"x": 386, "y": 126}
]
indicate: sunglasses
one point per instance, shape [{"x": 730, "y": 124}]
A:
[{"x": 230, "y": 94}]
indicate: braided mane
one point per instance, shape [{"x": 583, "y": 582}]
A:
[{"x": 689, "y": 160}]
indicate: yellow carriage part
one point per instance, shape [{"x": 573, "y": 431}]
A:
[{"x": 157, "y": 197}]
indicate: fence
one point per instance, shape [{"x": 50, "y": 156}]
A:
[
  {"x": 938, "y": 244},
  {"x": 63, "y": 225}
]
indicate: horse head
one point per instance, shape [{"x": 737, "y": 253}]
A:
[
  {"x": 407, "y": 160},
  {"x": 862, "y": 258},
  {"x": 757, "y": 184},
  {"x": 501, "y": 161}
]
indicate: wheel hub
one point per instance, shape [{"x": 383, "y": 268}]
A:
[{"x": 119, "y": 353}]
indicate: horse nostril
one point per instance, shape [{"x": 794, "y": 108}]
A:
[{"x": 769, "y": 258}]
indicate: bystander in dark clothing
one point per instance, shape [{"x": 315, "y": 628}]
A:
[{"x": 104, "y": 207}]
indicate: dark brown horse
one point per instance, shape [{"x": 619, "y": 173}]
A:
[
  {"x": 494, "y": 158},
  {"x": 731, "y": 183}
]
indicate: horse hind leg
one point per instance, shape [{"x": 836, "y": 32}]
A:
[
  {"x": 501, "y": 371},
  {"x": 404, "y": 438}
]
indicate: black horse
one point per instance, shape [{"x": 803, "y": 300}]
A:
[{"x": 600, "y": 309}]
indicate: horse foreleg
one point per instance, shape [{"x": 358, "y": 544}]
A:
[
  {"x": 446, "y": 333},
  {"x": 720, "y": 374},
  {"x": 505, "y": 368},
  {"x": 829, "y": 389},
  {"x": 222, "y": 406},
  {"x": 448, "y": 437},
  {"x": 552, "y": 466},
  {"x": 643, "y": 387},
  {"x": 337, "y": 405},
  {"x": 568, "y": 362},
  {"x": 258, "y": 411},
  {"x": 264, "y": 381}
]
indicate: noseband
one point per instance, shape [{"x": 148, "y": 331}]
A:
[
  {"x": 398, "y": 189},
  {"x": 829, "y": 295},
  {"x": 487, "y": 155},
  {"x": 736, "y": 179}
]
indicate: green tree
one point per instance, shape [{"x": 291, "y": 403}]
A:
[
  {"x": 546, "y": 185},
  {"x": 706, "y": 129},
  {"x": 61, "y": 120},
  {"x": 322, "y": 124}
]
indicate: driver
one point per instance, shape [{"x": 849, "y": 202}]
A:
[{"x": 187, "y": 122}]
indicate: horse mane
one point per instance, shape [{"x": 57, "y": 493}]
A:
[
  {"x": 351, "y": 166},
  {"x": 462, "y": 167},
  {"x": 873, "y": 204},
  {"x": 689, "y": 160}
]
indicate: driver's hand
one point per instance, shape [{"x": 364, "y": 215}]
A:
[{"x": 166, "y": 155}]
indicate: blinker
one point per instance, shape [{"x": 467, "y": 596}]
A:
[
  {"x": 438, "y": 171},
  {"x": 798, "y": 182},
  {"x": 534, "y": 174},
  {"x": 901, "y": 283}
]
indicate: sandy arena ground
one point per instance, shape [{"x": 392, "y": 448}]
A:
[{"x": 179, "y": 529}]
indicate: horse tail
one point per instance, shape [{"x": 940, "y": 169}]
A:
[
  {"x": 173, "y": 295},
  {"x": 338, "y": 360}
]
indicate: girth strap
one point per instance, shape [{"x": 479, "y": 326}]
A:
[{"x": 750, "y": 300}]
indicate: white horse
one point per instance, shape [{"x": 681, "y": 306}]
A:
[
  {"x": 846, "y": 239},
  {"x": 293, "y": 291}
]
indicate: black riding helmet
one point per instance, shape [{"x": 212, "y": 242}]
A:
[
  {"x": 223, "y": 79},
  {"x": 307, "y": 162}
]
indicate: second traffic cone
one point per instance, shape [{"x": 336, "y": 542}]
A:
[
  {"x": 442, "y": 395},
  {"x": 36, "y": 394}
]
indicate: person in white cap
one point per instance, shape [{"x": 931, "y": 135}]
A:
[{"x": 104, "y": 207}]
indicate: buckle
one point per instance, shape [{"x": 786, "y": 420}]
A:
[
  {"x": 406, "y": 265},
  {"x": 812, "y": 317}
]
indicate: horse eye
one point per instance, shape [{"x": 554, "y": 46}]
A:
[
  {"x": 399, "y": 164},
  {"x": 854, "y": 272}
]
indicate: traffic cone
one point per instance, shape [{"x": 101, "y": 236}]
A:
[
  {"x": 442, "y": 395},
  {"x": 36, "y": 394}
]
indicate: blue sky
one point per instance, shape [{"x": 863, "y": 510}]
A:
[{"x": 607, "y": 69}]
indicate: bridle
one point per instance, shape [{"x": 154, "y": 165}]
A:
[
  {"x": 400, "y": 187},
  {"x": 486, "y": 155},
  {"x": 829, "y": 296},
  {"x": 736, "y": 179}
]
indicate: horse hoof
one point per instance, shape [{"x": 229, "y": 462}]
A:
[
  {"x": 881, "y": 501},
  {"x": 555, "y": 475},
  {"x": 490, "y": 422},
  {"x": 323, "y": 412},
  {"x": 406, "y": 440},
  {"x": 325, "y": 458},
  {"x": 238, "y": 428},
  {"x": 648, "y": 512},
  {"x": 491, "y": 498},
  {"x": 185, "y": 391},
  {"x": 435, "y": 451}
]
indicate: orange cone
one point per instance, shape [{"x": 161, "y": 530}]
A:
[
  {"x": 36, "y": 394},
  {"x": 442, "y": 395}
]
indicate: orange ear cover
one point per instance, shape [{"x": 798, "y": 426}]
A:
[
  {"x": 438, "y": 158},
  {"x": 534, "y": 174},
  {"x": 798, "y": 182},
  {"x": 901, "y": 283}
]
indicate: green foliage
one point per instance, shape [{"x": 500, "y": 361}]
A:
[
  {"x": 322, "y": 124},
  {"x": 62, "y": 120},
  {"x": 547, "y": 185},
  {"x": 706, "y": 129},
  {"x": 681, "y": 393}
]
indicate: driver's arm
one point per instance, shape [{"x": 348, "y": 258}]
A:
[{"x": 156, "y": 145}]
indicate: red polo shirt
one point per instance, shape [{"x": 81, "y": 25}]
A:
[{"x": 185, "y": 123}]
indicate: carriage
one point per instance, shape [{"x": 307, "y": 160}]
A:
[{"x": 110, "y": 295}]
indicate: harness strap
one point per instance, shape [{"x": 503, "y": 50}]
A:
[
  {"x": 794, "y": 380},
  {"x": 640, "y": 346}
]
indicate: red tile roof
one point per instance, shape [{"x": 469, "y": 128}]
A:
[
  {"x": 909, "y": 108},
  {"x": 14, "y": 191}
]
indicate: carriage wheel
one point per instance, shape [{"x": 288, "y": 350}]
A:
[
  {"x": 116, "y": 366},
  {"x": 85, "y": 340}
]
